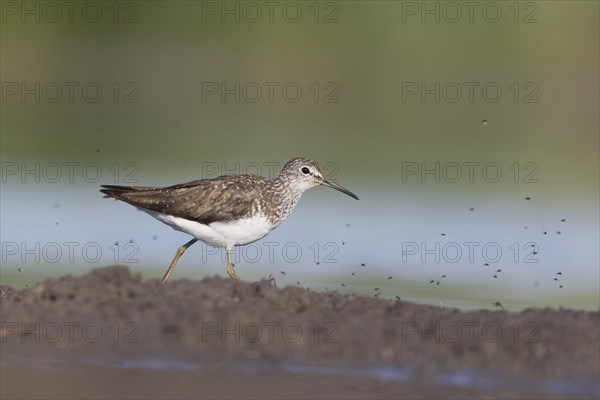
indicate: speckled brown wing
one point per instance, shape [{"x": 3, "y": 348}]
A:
[{"x": 203, "y": 201}]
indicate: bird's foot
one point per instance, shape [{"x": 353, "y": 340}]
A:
[{"x": 231, "y": 272}]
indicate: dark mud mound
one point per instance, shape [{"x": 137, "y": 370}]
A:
[{"x": 116, "y": 328}]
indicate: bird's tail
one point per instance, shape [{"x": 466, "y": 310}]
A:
[
  {"x": 116, "y": 191},
  {"x": 139, "y": 196}
]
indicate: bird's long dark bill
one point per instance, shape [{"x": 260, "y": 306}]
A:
[{"x": 338, "y": 187}]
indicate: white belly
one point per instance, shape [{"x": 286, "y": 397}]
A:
[{"x": 219, "y": 234}]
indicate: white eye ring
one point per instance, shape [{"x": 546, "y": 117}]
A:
[{"x": 305, "y": 170}]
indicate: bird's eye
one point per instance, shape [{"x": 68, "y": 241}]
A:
[{"x": 305, "y": 170}]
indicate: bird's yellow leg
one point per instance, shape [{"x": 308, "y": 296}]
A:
[
  {"x": 230, "y": 270},
  {"x": 178, "y": 254}
]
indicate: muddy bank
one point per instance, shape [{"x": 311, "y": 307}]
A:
[{"x": 110, "y": 326}]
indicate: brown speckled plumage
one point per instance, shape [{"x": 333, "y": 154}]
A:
[
  {"x": 220, "y": 199},
  {"x": 228, "y": 210}
]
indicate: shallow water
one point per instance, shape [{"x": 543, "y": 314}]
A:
[
  {"x": 332, "y": 244},
  {"x": 460, "y": 378}
]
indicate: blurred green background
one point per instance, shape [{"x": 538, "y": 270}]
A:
[{"x": 361, "y": 68}]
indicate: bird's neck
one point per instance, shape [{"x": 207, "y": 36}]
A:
[{"x": 285, "y": 195}]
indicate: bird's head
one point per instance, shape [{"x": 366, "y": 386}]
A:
[{"x": 303, "y": 174}]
